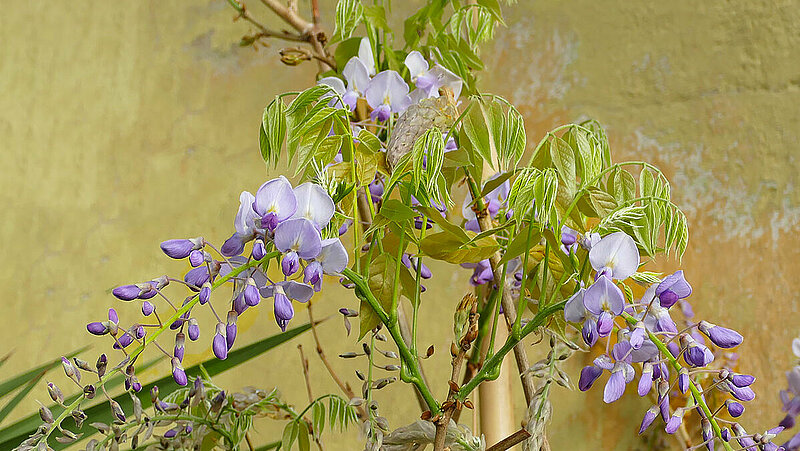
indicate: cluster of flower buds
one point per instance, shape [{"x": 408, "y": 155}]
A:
[
  {"x": 284, "y": 222},
  {"x": 643, "y": 330}
]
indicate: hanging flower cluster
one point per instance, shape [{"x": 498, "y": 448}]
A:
[{"x": 283, "y": 222}]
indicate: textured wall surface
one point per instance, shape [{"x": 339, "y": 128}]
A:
[{"x": 122, "y": 126}]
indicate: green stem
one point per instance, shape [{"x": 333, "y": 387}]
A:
[
  {"x": 417, "y": 290},
  {"x": 696, "y": 394},
  {"x": 491, "y": 365},
  {"x": 410, "y": 363},
  {"x": 151, "y": 337}
]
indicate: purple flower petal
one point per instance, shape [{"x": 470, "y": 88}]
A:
[
  {"x": 615, "y": 387},
  {"x": 276, "y": 199},
  {"x": 589, "y": 332},
  {"x": 388, "y": 88},
  {"x": 589, "y": 374},
  {"x": 290, "y": 263},
  {"x": 218, "y": 345},
  {"x": 178, "y": 248},
  {"x": 574, "y": 311},
  {"x": 649, "y": 416},
  {"x": 283, "y": 309},
  {"x": 604, "y": 296},
  {"x": 126, "y": 292},
  {"x": 299, "y": 235},
  {"x": 720, "y": 336}
]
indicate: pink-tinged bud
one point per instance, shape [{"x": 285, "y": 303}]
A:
[
  {"x": 230, "y": 328},
  {"x": 218, "y": 345},
  {"x": 251, "y": 295},
  {"x": 177, "y": 372},
  {"x": 148, "y": 308},
  {"x": 734, "y": 408},
  {"x": 205, "y": 293},
  {"x": 649, "y": 416},
  {"x": 98, "y": 328},
  {"x": 675, "y": 421},
  {"x": 259, "y": 251},
  {"x": 720, "y": 336},
  {"x": 196, "y": 258},
  {"x": 194, "y": 329},
  {"x": 181, "y": 248},
  {"x": 126, "y": 292},
  {"x": 180, "y": 339}
]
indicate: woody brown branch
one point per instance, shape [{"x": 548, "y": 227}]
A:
[{"x": 451, "y": 406}]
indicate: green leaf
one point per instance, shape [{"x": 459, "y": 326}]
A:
[
  {"x": 269, "y": 446},
  {"x": 493, "y": 6},
  {"x": 14, "y": 402},
  {"x": 564, "y": 161},
  {"x": 492, "y": 184},
  {"x": 624, "y": 186},
  {"x": 394, "y": 210},
  {"x": 302, "y": 436},
  {"x": 448, "y": 247},
  {"x": 375, "y": 15},
  {"x": 14, "y": 383},
  {"x": 436, "y": 216},
  {"x": 273, "y": 125},
  {"x": 348, "y": 15},
  {"x": 381, "y": 284},
  {"x": 289, "y": 435},
  {"x": 318, "y": 418},
  {"x": 517, "y": 246},
  {"x": 14, "y": 434},
  {"x": 601, "y": 201}
]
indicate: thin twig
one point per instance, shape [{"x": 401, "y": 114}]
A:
[
  {"x": 342, "y": 385},
  {"x": 511, "y": 440},
  {"x": 304, "y": 363}
]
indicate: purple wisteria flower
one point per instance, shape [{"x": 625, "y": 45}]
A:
[
  {"x": 605, "y": 300},
  {"x": 283, "y": 293},
  {"x": 332, "y": 260},
  {"x": 495, "y": 203},
  {"x": 387, "y": 94},
  {"x": 275, "y": 202},
  {"x": 299, "y": 236},
  {"x": 428, "y": 80},
  {"x": 673, "y": 288},
  {"x": 357, "y": 75},
  {"x": 615, "y": 256},
  {"x": 246, "y": 223}
]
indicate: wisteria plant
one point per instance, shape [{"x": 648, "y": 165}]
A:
[{"x": 397, "y": 159}]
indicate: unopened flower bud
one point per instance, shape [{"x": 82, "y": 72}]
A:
[
  {"x": 649, "y": 416},
  {"x": 69, "y": 370},
  {"x": 205, "y": 293},
  {"x": 683, "y": 380},
  {"x": 148, "y": 308},
  {"x": 193, "y": 329},
  {"x": 259, "y": 251},
  {"x": 290, "y": 263},
  {"x": 102, "y": 361},
  {"x": 720, "y": 336},
  {"x": 98, "y": 328},
  {"x": 117, "y": 410},
  {"x": 181, "y": 248},
  {"x": 177, "y": 372},
  {"x": 734, "y": 408},
  {"x": 82, "y": 364},
  {"x": 219, "y": 345},
  {"x": 46, "y": 415},
  {"x": 251, "y": 295},
  {"x": 126, "y": 292},
  {"x": 89, "y": 391},
  {"x": 55, "y": 393},
  {"x": 218, "y": 401},
  {"x": 230, "y": 328},
  {"x": 675, "y": 421},
  {"x": 196, "y": 258},
  {"x": 180, "y": 339}
]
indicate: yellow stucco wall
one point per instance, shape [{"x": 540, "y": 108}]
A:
[{"x": 126, "y": 124}]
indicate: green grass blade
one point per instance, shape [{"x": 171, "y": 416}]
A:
[
  {"x": 14, "y": 434},
  {"x": 20, "y": 396},
  {"x": 14, "y": 383}
]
